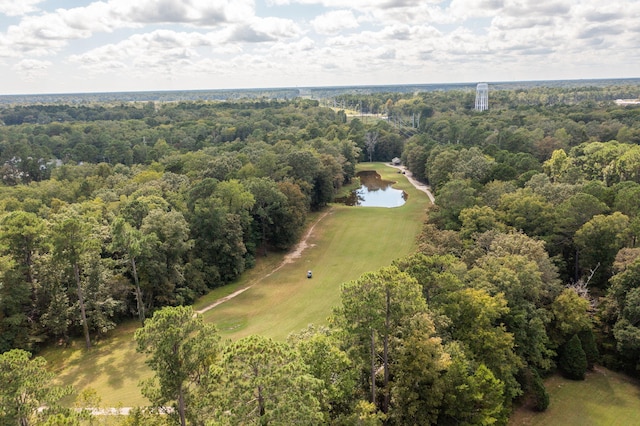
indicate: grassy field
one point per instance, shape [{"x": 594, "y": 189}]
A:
[
  {"x": 604, "y": 398},
  {"x": 345, "y": 243}
]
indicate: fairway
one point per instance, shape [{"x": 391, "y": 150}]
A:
[
  {"x": 345, "y": 243},
  {"x": 604, "y": 398}
]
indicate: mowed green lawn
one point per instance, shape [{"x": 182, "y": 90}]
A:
[
  {"x": 604, "y": 398},
  {"x": 345, "y": 243}
]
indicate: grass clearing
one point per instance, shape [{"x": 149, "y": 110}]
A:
[
  {"x": 603, "y": 398},
  {"x": 348, "y": 242}
]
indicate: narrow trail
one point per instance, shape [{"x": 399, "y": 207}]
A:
[
  {"x": 289, "y": 258},
  {"x": 303, "y": 244}
]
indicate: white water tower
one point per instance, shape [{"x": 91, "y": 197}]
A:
[{"x": 482, "y": 97}]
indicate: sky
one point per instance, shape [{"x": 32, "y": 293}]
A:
[{"x": 72, "y": 46}]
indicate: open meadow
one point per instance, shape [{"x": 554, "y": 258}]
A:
[{"x": 345, "y": 243}]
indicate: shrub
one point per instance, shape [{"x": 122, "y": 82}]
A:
[{"x": 572, "y": 360}]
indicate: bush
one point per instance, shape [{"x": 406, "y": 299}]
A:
[{"x": 572, "y": 360}]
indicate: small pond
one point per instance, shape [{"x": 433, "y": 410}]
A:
[{"x": 374, "y": 192}]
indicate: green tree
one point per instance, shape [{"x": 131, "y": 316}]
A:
[
  {"x": 22, "y": 237},
  {"x": 478, "y": 219},
  {"x": 628, "y": 165},
  {"x": 570, "y": 316},
  {"x": 439, "y": 275},
  {"x": 289, "y": 221},
  {"x": 518, "y": 243},
  {"x": 75, "y": 242},
  {"x": 528, "y": 212},
  {"x": 475, "y": 319},
  {"x": 590, "y": 347},
  {"x": 319, "y": 348},
  {"x": 572, "y": 359},
  {"x": 598, "y": 241},
  {"x": 557, "y": 166},
  {"x": 452, "y": 198},
  {"x": 21, "y": 240},
  {"x": 571, "y": 214},
  {"x": 415, "y": 157},
  {"x": 528, "y": 296},
  {"x": 26, "y": 387},
  {"x": 378, "y": 304},
  {"x": 440, "y": 166},
  {"x": 621, "y": 314},
  {"x": 129, "y": 241},
  {"x": 181, "y": 349},
  {"x": 268, "y": 202},
  {"x": 167, "y": 242},
  {"x": 14, "y": 330},
  {"x": 473, "y": 395},
  {"x": 261, "y": 381},
  {"x": 219, "y": 217},
  {"x": 540, "y": 394},
  {"x": 418, "y": 387},
  {"x": 627, "y": 200}
]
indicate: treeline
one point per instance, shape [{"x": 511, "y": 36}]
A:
[{"x": 92, "y": 244}]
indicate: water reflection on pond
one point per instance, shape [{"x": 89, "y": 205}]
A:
[{"x": 374, "y": 192}]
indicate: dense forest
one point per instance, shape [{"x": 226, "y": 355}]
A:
[{"x": 528, "y": 263}]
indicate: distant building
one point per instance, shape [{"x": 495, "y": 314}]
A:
[{"x": 482, "y": 97}]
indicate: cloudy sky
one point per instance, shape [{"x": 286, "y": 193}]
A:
[{"x": 61, "y": 46}]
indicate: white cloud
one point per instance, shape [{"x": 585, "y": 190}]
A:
[
  {"x": 50, "y": 32},
  {"x": 302, "y": 48},
  {"x": 198, "y": 12},
  {"x": 159, "y": 45},
  {"x": 39, "y": 36},
  {"x": 260, "y": 30},
  {"x": 32, "y": 64},
  {"x": 333, "y": 22},
  {"x": 30, "y": 69},
  {"x": 18, "y": 7}
]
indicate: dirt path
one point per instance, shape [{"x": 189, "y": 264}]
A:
[
  {"x": 289, "y": 258},
  {"x": 418, "y": 185}
]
